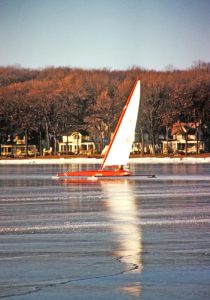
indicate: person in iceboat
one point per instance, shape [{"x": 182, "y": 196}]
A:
[{"x": 121, "y": 168}]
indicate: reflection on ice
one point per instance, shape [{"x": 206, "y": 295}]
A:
[
  {"x": 120, "y": 201},
  {"x": 132, "y": 290},
  {"x": 123, "y": 214}
]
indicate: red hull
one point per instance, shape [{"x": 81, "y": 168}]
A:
[{"x": 99, "y": 173}]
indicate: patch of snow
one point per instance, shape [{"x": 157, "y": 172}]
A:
[{"x": 81, "y": 160}]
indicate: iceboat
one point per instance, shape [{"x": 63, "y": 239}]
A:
[{"x": 119, "y": 149}]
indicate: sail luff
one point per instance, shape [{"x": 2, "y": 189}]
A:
[{"x": 115, "y": 140}]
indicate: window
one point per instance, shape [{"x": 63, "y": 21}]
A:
[{"x": 180, "y": 146}]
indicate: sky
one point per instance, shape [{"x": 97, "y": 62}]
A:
[{"x": 112, "y": 34}]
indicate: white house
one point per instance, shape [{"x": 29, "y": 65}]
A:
[{"x": 76, "y": 143}]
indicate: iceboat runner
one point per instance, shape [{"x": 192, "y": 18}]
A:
[{"x": 119, "y": 149}]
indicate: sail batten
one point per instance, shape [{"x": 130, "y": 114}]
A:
[{"x": 124, "y": 135}]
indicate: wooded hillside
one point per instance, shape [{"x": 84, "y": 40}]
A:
[{"x": 59, "y": 100}]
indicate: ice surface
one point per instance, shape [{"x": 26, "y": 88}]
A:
[{"x": 121, "y": 239}]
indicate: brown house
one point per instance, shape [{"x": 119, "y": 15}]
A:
[{"x": 185, "y": 138}]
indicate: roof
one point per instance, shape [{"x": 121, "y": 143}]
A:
[
  {"x": 181, "y": 127},
  {"x": 82, "y": 132}
]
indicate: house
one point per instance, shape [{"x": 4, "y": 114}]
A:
[
  {"x": 78, "y": 142},
  {"x": 13, "y": 150},
  {"x": 17, "y": 148},
  {"x": 6, "y": 150},
  {"x": 19, "y": 140},
  {"x": 184, "y": 138}
]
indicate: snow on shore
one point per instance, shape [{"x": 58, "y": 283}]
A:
[
  {"x": 81, "y": 160},
  {"x": 169, "y": 160}
]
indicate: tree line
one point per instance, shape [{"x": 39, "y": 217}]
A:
[{"x": 53, "y": 101}]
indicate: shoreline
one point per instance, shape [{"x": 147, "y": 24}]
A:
[{"x": 202, "y": 159}]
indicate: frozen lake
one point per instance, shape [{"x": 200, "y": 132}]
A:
[{"x": 135, "y": 238}]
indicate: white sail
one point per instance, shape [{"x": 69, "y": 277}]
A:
[{"x": 121, "y": 143}]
